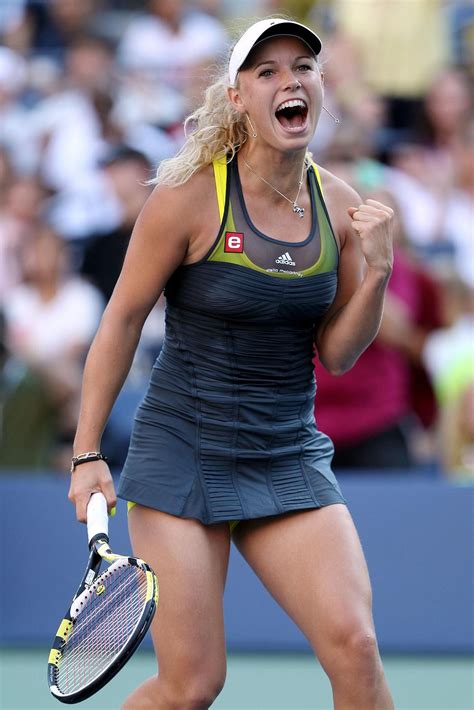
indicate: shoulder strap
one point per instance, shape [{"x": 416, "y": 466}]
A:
[
  {"x": 318, "y": 178},
  {"x": 220, "y": 177}
]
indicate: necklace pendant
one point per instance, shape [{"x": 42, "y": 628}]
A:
[{"x": 298, "y": 210}]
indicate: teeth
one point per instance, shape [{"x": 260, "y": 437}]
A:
[{"x": 292, "y": 103}]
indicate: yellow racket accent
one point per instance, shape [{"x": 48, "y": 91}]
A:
[
  {"x": 106, "y": 553},
  {"x": 65, "y": 629},
  {"x": 151, "y": 586},
  {"x": 54, "y": 657}
]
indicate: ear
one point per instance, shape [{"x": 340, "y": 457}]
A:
[{"x": 235, "y": 99}]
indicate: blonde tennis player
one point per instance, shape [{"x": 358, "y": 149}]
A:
[{"x": 263, "y": 257}]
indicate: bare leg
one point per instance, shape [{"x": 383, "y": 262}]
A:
[
  {"x": 190, "y": 561},
  {"x": 313, "y": 565}
]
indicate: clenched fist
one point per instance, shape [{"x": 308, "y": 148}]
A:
[{"x": 372, "y": 221}]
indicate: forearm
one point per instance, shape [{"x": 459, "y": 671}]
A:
[
  {"x": 350, "y": 331},
  {"x": 107, "y": 365}
]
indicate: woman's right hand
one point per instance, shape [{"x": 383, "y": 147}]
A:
[{"x": 89, "y": 478}]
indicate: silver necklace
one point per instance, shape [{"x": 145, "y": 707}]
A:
[{"x": 296, "y": 208}]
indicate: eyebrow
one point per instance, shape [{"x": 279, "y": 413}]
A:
[{"x": 272, "y": 61}]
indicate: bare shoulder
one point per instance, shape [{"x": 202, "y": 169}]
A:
[
  {"x": 337, "y": 189},
  {"x": 181, "y": 215},
  {"x": 163, "y": 236},
  {"x": 181, "y": 204},
  {"x": 339, "y": 196}
]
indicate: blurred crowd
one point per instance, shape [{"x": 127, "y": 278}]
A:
[{"x": 93, "y": 95}]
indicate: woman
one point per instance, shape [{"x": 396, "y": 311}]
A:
[{"x": 226, "y": 431}]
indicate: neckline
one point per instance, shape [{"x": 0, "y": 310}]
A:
[{"x": 314, "y": 216}]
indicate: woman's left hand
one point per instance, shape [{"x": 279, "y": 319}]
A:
[{"x": 372, "y": 221}]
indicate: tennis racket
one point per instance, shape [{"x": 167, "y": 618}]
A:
[{"x": 108, "y": 617}]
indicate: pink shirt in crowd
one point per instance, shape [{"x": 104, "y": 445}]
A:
[{"x": 377, "y": 392}]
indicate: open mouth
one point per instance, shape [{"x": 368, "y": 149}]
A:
[{"x": 292, "y": 114}]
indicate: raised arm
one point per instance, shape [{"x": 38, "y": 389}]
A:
[
  {"x": 158, "y": 245},
  {"x": 365, "y": 265}
]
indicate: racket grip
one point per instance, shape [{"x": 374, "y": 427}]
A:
[{"x": 97, "y": 518}]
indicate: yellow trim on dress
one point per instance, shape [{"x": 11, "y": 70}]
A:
[
  {"x": 220, "y": 177},
  {"x": 318, "y": 177}
]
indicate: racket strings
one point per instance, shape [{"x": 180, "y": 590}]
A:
[{"x": 104, "y": 625}]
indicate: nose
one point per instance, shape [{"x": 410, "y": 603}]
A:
[{"x": 291, "y": 81}]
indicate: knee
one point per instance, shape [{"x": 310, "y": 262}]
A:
[
  {"x": 356, "y": 647},
  {"x": 194, "y": 694},
  {"x": 362, "y": 645}
]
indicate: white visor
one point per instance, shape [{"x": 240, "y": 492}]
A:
[{"x": 263, "y": 30}]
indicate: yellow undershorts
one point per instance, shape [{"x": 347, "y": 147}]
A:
[{"x": 232, "y": 523}]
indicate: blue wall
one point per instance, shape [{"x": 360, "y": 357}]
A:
[{"x": 417, "y": 534}]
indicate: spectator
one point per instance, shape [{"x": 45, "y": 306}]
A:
[
  {"x": 51, "y": 320},
  {"x": 14, "y": 118},
  {"x": 94, "y": 203},
  {"x": 434, "y": 186},
  {"x": 350, "y": 98},
  {"x": 446, "y": 112},
  {"x": 48, "y": 28},
  {"x": 402, "y": 45},
  {"x": 52, "y": 316},
  {"x": 170, "y": 40},
  {"x": 29, "y": 411},
  {"x": 457, "y": 433},
  {"x": 126, "y": 172},
  {"x": 19, "y": 216},
  {"x": 369, "y": 412},
  {"x": 70, "y": 127},
  {"x": 449, "y": 357}
]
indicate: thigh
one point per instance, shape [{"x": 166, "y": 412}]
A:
[
  {"x": 313, "y": 565},
  {"x": 190, "y": 561}
]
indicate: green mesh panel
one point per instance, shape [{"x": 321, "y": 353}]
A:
[{"x": 326, "y": 262}]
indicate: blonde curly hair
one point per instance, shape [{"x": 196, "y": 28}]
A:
[{"x": 212, "y": 131}]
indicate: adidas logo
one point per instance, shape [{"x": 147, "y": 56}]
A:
[{"x": 285, "y": 259}]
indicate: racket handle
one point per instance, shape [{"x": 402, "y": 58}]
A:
[{"x": 97, "y": 518}]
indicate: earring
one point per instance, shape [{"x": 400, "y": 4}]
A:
[
  {"x": 254, "y": 135},
  {"x": 336, "y": 120}
]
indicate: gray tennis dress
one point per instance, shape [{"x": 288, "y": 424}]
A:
[{"x": 226, "y": 430}]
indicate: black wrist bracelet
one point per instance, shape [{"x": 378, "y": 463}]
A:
[{"x": 86, "y": 458}]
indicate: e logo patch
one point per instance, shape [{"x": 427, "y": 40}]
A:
[{"x": 234, "y": 242}]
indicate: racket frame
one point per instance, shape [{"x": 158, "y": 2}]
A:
[{"x": 99, "y": 551}]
